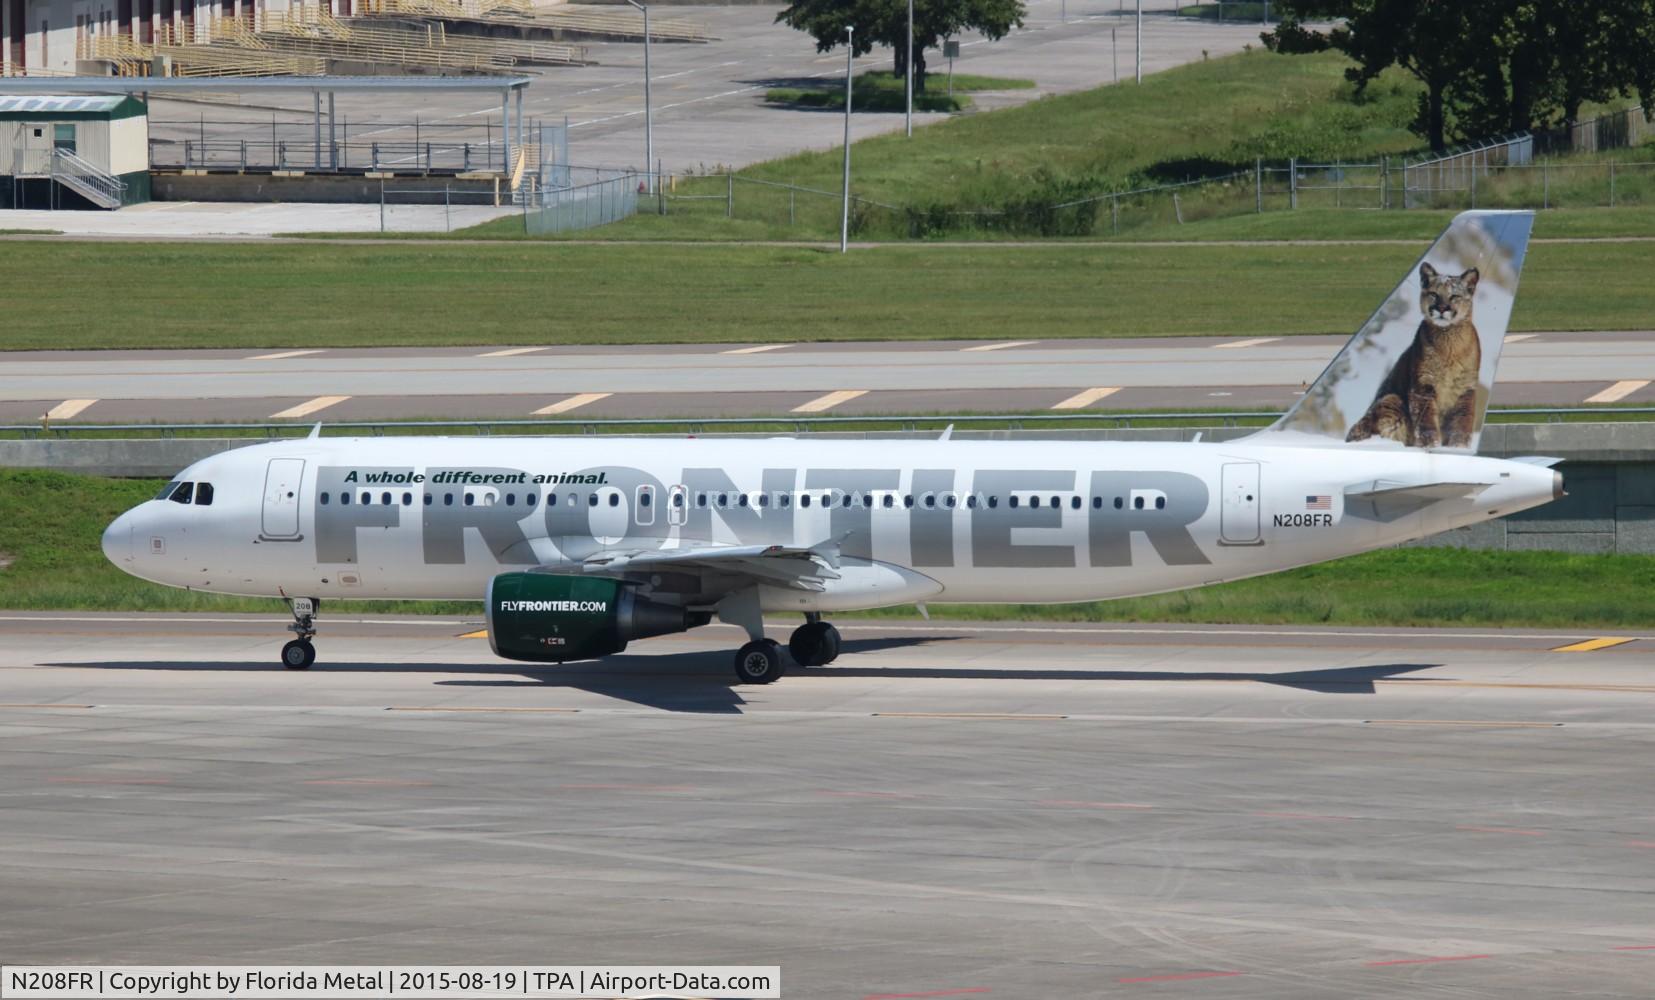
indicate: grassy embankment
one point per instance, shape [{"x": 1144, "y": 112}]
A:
[
  {"x": 319, "y": 295},
  {"x": 878, "y": 91},
  {"x": 50, "y": 524}
]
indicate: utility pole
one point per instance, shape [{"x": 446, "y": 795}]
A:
[
  {"x": 649, "y": 118},
  {"x": 1138, "y": 39},
  {"x": 844, "y": 215},
  {"x": 908, "y": 81}
]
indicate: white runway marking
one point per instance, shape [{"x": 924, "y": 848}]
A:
[
  {"x": 1081, "y": 400},
  {"x": 1516, "y": 337},
  {"x": 828, "y": 402},
  {"x": 284, "y": 354},
  {"x": 1252, "y": 342},
  {"x": 305, "y": 409},
  {"x": 68, "y": 408},
  {"x": 757, "y": 350},
  {"x": 510, "y": 352},
  {"x": 998, "y": 347},
  {"x": 572, "y": 403},
  {"x": 1618, "y": 391}
]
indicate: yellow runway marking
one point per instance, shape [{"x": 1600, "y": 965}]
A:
[
  {"x": 308, "y": 407},
  {"x": 1081, "y": 400},
  {"x": 481, "y": 633},
  {"x": 1591, "y": 644},
  {"x": 829, "y": 401},
  {"x": 572, "y": 403},
  {"x": 1618, "y": 391},
  {"x": 997, "y": 347},
  {"x": 68, "y": 408},
  {"x": 962, "y": 715}
]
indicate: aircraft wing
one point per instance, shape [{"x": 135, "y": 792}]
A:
[
  {"x": 786, "y": 565},
  {"x": 1380, "y": 500}
]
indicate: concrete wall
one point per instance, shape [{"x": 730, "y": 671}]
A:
[{"x": 1609, "y": 471}]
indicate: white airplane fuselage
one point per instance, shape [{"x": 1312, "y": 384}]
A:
[{"x": 913, "y": 521}]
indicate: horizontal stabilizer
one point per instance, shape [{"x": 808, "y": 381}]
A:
[{"x": 1385, "y": 501}]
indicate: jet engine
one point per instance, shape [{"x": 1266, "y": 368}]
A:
[{"x": 547, "y": 618}]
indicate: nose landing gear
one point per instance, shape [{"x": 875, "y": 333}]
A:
[{"x": 299, "y": 653}]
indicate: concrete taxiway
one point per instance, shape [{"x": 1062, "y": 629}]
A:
[
  {"x": 951, "y": 809},
  {"x": 706, "y": 380}
]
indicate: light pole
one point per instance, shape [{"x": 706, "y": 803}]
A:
[
  {"x": 844, "y": 214},
  {"x": 909, "y": 81},
  {"x": 649, "y": 118},
  {"x": 1138, "y": 40}
]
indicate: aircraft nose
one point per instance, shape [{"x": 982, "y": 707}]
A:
[{"x": 117, "y": 540}]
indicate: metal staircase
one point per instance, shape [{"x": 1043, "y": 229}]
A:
[{"x": 102, "y": 189}]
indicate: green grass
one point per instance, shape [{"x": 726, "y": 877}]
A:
[
  {"x": 879, "y": 91},
  {"x": 31, "y": 232},
  {"x": 1229, "y": 13},
  {"x": 50, "y": 524},
  {"x": 318, "y": 295}
]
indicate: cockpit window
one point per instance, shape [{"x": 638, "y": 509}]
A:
[
  {"x": 166, "y": 491},
  {"x": 203, "y": 494},
  {"x": 183, "y": 493}
]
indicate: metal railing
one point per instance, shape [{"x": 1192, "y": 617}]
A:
[
  {"x": 87, "y": 179},
  {"x": 207, "y": 144},
  {"x": 694, "y": 425}
]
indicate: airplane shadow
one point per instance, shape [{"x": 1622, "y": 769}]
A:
[{"x": 698, "y": 682}]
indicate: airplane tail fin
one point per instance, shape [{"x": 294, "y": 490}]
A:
[{"x": 1419, "y": 371}]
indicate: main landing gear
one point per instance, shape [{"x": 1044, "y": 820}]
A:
[
  {"x": 813, "y": 644},
  {"x": 299, "y": 654}
]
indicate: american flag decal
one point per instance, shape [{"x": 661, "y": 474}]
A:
[{"x": 1318, "y": 502}]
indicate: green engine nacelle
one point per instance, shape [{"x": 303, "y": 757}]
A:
[{"x": 538, "y": 616}]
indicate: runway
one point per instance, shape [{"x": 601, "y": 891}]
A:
[
  {"x": 1012, "y": 810},
  {"x": 779, "y": 378}
]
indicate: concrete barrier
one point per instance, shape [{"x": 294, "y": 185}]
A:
[{"x": 1608, "y": 469}]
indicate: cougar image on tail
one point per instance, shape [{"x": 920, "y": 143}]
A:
[{"x": 1430, "y": 397}]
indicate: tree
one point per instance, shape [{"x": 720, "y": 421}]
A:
[
  {"x": 885, "y": 22},
  {"x": 1493, "y": 66}
]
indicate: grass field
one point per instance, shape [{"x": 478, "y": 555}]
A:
[
  {"x": 50, "y": 558},
  {"x": 314, "y": 295}
]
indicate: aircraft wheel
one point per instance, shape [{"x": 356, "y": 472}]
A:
[
  {"x": 760, "y": 662},
  {"x": 298, "y": 654},
  {"x": 814, "y": 644}
]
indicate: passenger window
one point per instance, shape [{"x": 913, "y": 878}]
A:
[
  {"x": 971, "y": 501},
  {"x": 1097, "y": 503},
  {"x": 847, "y": 500},
  {"x": 470, "y": 498},
  {"x": 407, "y": 499},
  {"x": 764, "y": 500},
  {"x": 785, "y": 500},
  {"x": 741, "y": 499},
  {"x": 528, "y": 499},
  {"x": 367, "y": 497},
  {"x": 1137, "y": 503},
  {"x": 1074, "y": 502},
  {"x": 908, "y": 500},
  {"x": 931, "y": 500},
  {"x": 678, "y": 499},
  {"x": 428, "y": 499},
  {"x": 1118, "y": 503},
  {"x": 949, "y": 500},
  {"x": 322, "y": 499},
  {"x": 993, "y": 501},
  {"x": 889, "y": 501},
  {"x": 867, "y": 500},
  {"x": 448, "y": 499},
  {"x": 804, "y": 499},
  {"x": 592, "y": 501},
  {"x": 385, "y": 498},
  {"x": 724, "y": 499},
  {"x": 1012, "y": 502},
  {"x": 644, "y": 498},
  {"x": 614, "y": 499},
  {"x": 344, "y": 498},
  {"x": 203, "y": 494},
  {"x": 1161, "y": 503},
  {"x": 183, "y": 493},
  {"x": 511, "y": 499}
]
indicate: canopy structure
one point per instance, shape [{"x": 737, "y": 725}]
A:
[{"x": 506, "y": 86}]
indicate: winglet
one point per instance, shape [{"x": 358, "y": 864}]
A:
[{"x": 315, "y": 432}]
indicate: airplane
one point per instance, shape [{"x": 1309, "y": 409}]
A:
[{"x": 578, "y": 546}]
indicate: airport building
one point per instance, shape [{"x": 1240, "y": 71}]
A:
[{"x": 73, "y": 152}]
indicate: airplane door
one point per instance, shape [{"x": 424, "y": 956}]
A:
[
  {"x": 1239, "y": 513},
  {"x": 678, "y": 505},
  {"x": 643, "y": 505},
  {"x": 282, "y": 479}
]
